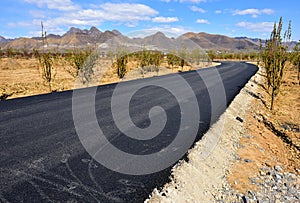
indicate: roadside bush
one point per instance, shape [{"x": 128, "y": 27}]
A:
[
  {"x": 76, "y": 60},
  {"x": 121, "y": 58}
]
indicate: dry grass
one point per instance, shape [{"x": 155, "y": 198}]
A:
[{"x": 23, "y": 77}]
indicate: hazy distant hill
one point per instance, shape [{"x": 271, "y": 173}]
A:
[
  {"x": 256, "y": 41},
  {"x": 3, "y": 40},
  {"x": 220, "y": 42},
  {"x": 76, "y": 37}
]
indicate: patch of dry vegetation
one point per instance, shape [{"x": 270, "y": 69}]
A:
[{"x": 26, "y": 76}]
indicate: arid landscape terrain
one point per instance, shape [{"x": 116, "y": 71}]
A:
[
  {"x": 271, "y": 137},
  {"x": 166, "y": 101}
]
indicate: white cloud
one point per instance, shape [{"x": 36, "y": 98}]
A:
[
  {"x": 123, "y": 13},
  {"x": 127, "y": 11},
  {"x": 19, "y": 24},
  {"x": 218, "y": 11},
  {"x": 197, "y": 9},
  {"x": 165, "y": 19},
  {"x": 268, "y": 11},
  {"x": 257, "y": 27},
  {"x": 254, "y": 12},
  {"x": 203, "y": 21},
  {"x": 62, "y": 5},
  {"x": 37, "y": 14}
]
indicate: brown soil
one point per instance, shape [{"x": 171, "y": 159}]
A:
[
  {"x": 262, "y": 146},
  {"x": 23, "y": 77}
]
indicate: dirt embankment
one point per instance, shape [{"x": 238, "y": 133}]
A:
[{"x": 256, "y": 157}]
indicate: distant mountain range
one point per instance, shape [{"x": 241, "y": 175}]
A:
[
  {"x": 3, "y": 40},
  {"x": 76, "y": 37},
  {"x": 257, "y": 41}
]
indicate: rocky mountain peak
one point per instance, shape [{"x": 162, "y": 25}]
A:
[
  {"x": 94, "y": 30},
  {"x": 116, "y": 32}
]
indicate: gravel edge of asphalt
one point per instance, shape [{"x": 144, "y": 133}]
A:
[{"x": 201, "y": 178}]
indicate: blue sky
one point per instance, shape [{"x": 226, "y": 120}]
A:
[{"x": 134, "y": 17}]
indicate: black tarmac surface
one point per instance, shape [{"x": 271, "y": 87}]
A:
[{"x": 43, "y": 160}]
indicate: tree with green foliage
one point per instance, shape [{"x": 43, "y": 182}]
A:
[
  {"x": 121, "y": 63},
  {"x": 46, "y": 61},
  {"x": 86, "y": 71},
  {"x": 10, "y": 52},
  {"x": 172, "y": 60},
  {"x": 196, "y": 56},
  {"x": 157, "y": 59},
  {"x": 182, "y": 56},
  {"x": 211, "y": 55},
  {"x": 275, "y": 56},
  {"x": 295, "y": 58},
  {"x": 144, "y": 58},
  {"x": 76, "y": 59}
]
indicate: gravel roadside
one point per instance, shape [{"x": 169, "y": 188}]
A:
[{"x": 212, "y": 175}]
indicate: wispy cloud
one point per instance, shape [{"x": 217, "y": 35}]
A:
[
  {"x": 197, "y": 9},
  {"x": 161, "y": 19},
  {"x": 61, "y": 5},
  {"x": 202, "y": 21},
  {"x": 218, "y": 11},
  {"x": 257, "y": 27},
  {"x": 254, "y": 12}
]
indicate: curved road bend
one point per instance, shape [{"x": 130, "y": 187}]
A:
[{"x": 43, "y": 160}]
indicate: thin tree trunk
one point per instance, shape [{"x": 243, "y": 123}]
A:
[
  {"x": 299, "y": 72},
  {"x": 273, "y": 98},
  {"x": 50, "y": 89}
]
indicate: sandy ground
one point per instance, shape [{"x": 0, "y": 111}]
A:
[
  {"x": 23, "y": 77},
  {"x": 262, "y": 146}
]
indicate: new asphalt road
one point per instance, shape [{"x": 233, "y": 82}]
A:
[{"x": 114, "y": 143}]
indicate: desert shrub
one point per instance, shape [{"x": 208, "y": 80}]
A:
[
  {"x": 76, "y": 60},
  {"x": 120, "y": 59},
  {"x": 211, "y": 54},
  {"x": 173, "y": 60}
]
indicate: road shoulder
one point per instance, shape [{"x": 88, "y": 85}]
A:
[{"x": 239, "y": 168}]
